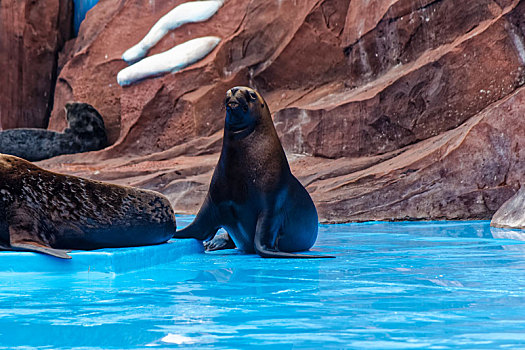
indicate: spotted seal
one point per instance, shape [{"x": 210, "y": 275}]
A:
[
  {"x": 85, "y": 132},
  {"x": 50, "y": 213}
]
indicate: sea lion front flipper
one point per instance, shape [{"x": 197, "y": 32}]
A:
[
  {"x": 205, "y": 225},
  {"x": 21, "y": 239},
  {"x": 265, "y": 241},
  {"x": 199, "y": 229},
  {"x": 33, "y": 247}
]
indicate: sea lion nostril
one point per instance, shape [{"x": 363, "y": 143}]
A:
[{"x": 232, "y": 104}]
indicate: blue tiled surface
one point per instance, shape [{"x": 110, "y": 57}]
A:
[{"x": 100, "y": 261}]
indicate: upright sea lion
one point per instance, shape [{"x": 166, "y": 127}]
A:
[
  {"x": 253, "y": 195},
  {"x": 50, "y": 213},
  {"x": 85, "y": 132}
]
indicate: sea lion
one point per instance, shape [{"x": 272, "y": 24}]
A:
[
  {"x": 253, "y": 194},
  {"x": 50, "y": 213},
  {"x": 85, "y": 132}
]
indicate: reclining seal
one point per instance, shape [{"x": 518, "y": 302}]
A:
[
  {"x": 50, "y": 213},
  {"x": 85, "y": 132}
]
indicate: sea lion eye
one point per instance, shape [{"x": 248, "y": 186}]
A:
[{"x": 252, "y": 95}]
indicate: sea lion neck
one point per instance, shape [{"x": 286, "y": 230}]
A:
[
  {"x": 261, "y": 126},
  {"x": 232, "y": 134}
]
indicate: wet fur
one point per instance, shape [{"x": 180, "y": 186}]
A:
[
  {"x": 41, "y": 209},
  {"x": 253, "y": 194},
  {"x": 85, "y": 132}
]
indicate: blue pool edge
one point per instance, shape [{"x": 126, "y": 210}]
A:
[{"x": 109, "y": 261}]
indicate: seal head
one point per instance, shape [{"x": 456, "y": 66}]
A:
[
  {"x": 241, "y": 112},
  {"x": 87, "y": 125}
]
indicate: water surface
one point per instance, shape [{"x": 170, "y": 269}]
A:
[{"x": 432, "y": 285}]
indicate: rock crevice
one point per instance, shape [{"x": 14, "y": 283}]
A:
[{"x": 398, "y": 109}]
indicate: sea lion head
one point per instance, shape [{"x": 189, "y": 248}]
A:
[
  {"x": 245, "y": 109},
  {"x": 85, "y": 121}
]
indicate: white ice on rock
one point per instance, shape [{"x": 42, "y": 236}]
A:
[
  {"x": 189, "y": 12},
  {"x": 172, "y": 60}
]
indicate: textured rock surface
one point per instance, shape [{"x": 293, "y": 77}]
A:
[
  {"x": 31, "y": 35},
  {"x": 512, "y": 213},
  {"x": 398, "y": 109}
]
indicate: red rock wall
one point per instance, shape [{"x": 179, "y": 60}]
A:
[
  {"x": 388, "y": 109},
  {"x": 31, "y": 35}
]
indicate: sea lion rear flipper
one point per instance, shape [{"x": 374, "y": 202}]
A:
[
  {"x": 265, "y": 241},
  {"x": 219, "y": 242},
  {"x": 21, "y": 239},
  {"x": 270, "y": 253}
]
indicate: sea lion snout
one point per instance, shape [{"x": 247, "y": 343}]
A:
[
  {"x": 232, "y": 104},
  {"x": 239, "y": 115},
  {"x": 239, "y": 98},
  {"x": 236, "y": 106},
  {"x": 234, "y": 101}
]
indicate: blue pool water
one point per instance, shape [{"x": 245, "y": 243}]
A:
[
  {"x": 80, "y": 9},
  {"x": 435, "y": 285}
]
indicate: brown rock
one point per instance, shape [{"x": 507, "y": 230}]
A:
[
  {"x": 398, "y": 109},
  {"x": 464, "y": 173},
  {"x": 434, "y": 93},
  {"x": 31, "y": 35},
  {"x": 512, "y": 213},
  {"x": 153, "y": 104}
]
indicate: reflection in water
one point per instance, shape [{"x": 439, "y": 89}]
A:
[
  {"x": 505, "y": 233},
  {"x": 177, "y": 339},
  {"x": 426, "y": 285}
]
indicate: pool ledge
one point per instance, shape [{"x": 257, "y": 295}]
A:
[{"x": 115, "y": 260}]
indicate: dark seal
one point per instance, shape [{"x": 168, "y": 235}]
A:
[
  {"x": 85, "y": 132},
  {"x": 50, "y": 213},
  {"x": 253, "y": 195}
]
